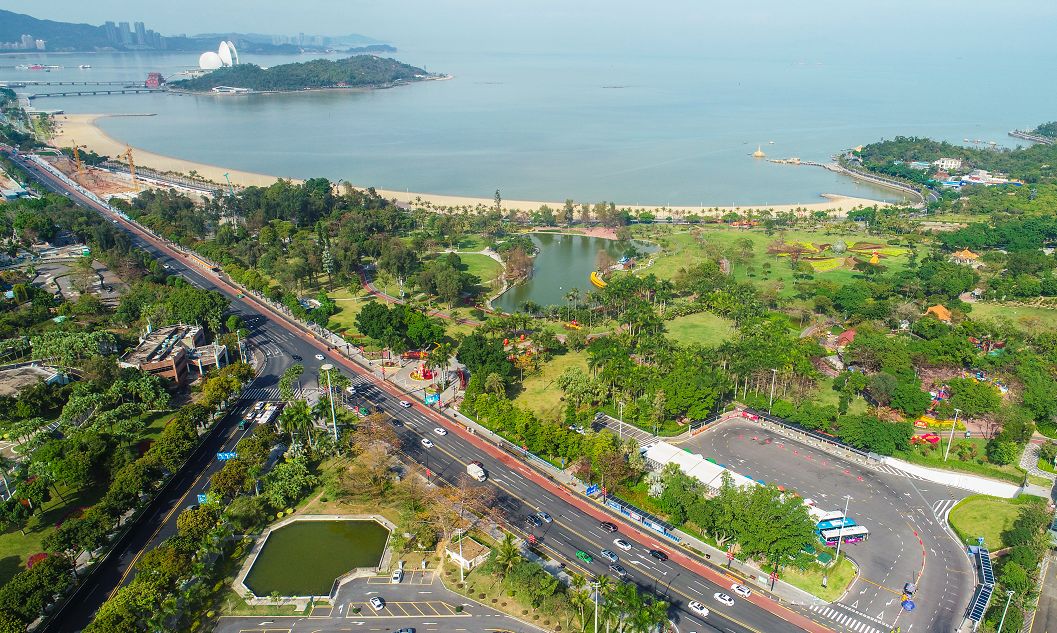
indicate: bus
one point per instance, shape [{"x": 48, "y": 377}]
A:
[
  {"x": 820, "y": 515},
  {"x": 848, "y": 535},
  {"x": 834, "y": 524}
]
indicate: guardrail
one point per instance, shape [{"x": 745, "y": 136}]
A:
[{"x": 815, "y": 435}]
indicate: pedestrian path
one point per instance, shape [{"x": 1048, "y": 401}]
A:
[
  {"x": 839, "y": 613},
  {"x": 1029, "y": 461}
]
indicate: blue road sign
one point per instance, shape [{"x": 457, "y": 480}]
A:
[
  {"x": 432, "y": 398},
  {"x": 203, "y": 498},
  {"x": 592, "y": 489},
  {"x": 226, "y": 456}
]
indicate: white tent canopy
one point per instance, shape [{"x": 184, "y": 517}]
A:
[{"x": 663, "y": 453}]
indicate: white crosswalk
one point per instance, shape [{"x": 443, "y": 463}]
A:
[
  {"x": 885, "y": 468},
  {"x": 846, "y": 621},
  {"x": 941, "y": 508}
]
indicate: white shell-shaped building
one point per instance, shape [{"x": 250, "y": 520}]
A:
[
  {"x": 226, "y": 55},
  {"x": 210, "y": 61}
]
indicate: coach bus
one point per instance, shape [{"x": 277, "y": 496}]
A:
[
  {"x": 834, "y": 524},
  {"x": 848, "y": 535}
]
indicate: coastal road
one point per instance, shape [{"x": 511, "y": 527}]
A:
[
  {"x": 576, "y": 523},
  {"x": 906, "y": 518}
]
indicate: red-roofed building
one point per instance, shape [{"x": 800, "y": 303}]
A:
[{"x": 845, "y": 338}]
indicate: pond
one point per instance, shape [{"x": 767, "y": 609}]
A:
[
  {"x": 564, "y": 262},
  {"x": 304, "y": 558}
]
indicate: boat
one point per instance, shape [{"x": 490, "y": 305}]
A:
[{"x": 85, "y": 66}]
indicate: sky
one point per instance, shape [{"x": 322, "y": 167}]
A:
[{"x": 585, "y": 25}]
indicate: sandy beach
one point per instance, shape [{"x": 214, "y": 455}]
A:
[{"x": 82, "y": 128}]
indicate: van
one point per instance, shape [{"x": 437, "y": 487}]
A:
[{"x": 397, "y": 577}]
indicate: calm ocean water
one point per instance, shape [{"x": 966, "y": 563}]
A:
[{"x": 644, "y": 128}]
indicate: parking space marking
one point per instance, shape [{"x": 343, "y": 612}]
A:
[
  {"x": 422, "y": 609},
  {"x": 321, "y": 612}
]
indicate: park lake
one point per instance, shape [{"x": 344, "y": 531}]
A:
[{"x": 563, "y": 263}]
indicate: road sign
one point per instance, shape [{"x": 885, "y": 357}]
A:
[
  {"x": 432, "y": 398},
  {"x": 226, "y": 456},
  {"x": 592, "y": 489},
  {"x": 203, "y": 498}
]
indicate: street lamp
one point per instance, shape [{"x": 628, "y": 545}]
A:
[
  {"x": 620, "y": 428},
  {"x": 774, "y": 376},
  {"x": 595, "y": 585},
  {"x": 840, "y": 538},
  {"x": 330, "y": 396},
  {"x": 954, "y": 423},
  {"x": 1001, "y": 623}
]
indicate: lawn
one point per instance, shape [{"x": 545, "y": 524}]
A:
[
  {"x": 923, "y": 455},
  {"x": 155, "y": 423},
  {"x": 989, "y": 517},
  {"x": 484, "y": 267},
  {"x": 839, "y": 577},
  {"x": 825, "y": 395},
  {"x": 539, "y": 394},
  {"x": 1023, "y": 317},
  {"x": 704, "y": 327},
  {"x": 15, "y": 548},
  {"x": 680, "y": 249},
  {"x": 349, "y": 305}
]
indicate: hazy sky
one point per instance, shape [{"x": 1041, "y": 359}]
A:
[{"x": 580, "y": 25}]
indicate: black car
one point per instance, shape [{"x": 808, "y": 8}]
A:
[
  {"x": 535, "y": 520},
  {"x": 608, "y": 527},
  {"x": 659, "y": 555},
  {"x": 297, "y": 357},
  {"x": 396, "y": 422}
]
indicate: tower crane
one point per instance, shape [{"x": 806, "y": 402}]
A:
[{"x": 131, "y": 166}]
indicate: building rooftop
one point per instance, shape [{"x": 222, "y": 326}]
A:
[
  {"x": 15, "y": 379},
  {"x": 160, "y": 344}
]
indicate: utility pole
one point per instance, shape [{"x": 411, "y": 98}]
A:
[
  {"x": 954, "y": 423},
  {"x": 595, "y": 585},
  {"x": 774, "y": 377},
  {"x": 840, "y": 539},
  {"x": 330, "y": 395}
]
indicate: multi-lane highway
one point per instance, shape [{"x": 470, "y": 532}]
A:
[{"x": 521, "y": 489}]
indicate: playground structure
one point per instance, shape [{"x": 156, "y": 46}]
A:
[{"x": 596, "y": 280}]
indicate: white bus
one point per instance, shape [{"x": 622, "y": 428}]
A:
[{"x": 852, "y": 534}]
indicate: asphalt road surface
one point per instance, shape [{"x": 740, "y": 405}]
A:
[
  {"x": 905, "y": 516},
  {"x": 521, "y": 491}
]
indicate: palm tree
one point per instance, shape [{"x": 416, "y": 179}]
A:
[
  {"x": 507, "y": 556},
  {"x": 494, "y": 383},
  {"x": 296, "y": 418}
]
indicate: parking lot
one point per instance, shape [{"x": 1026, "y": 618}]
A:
[{"x": 908, "y": 538}]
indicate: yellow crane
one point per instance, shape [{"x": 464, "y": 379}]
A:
[
  {"x": 77, "y": 157},
  {"x": 131, "y": 166}
]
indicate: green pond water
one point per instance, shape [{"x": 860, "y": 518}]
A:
[
  {"x": 564, "y": 262},
  {"x": 304, "y": 558}
]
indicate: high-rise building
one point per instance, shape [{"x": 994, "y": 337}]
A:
[
  {"x": 39, "y": 44},
  {"x": 124, "y": 33},
  {"x": 141, "y": 34},
  {"x": 27, "y": 42},
  {"x": 111, "y": 32}
]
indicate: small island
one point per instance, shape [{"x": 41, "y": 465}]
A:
[{"x": 358, "y": 71}]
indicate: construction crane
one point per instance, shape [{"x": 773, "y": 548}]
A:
[
  {"x": 231, "y": 190},
  {"x": 131, "y": 166},
  {"x": 77, "y": 157}
]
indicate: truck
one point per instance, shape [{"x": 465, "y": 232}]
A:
[{"x": 476, "y": 470}]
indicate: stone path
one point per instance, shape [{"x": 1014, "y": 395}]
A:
[{"x": 1029, "y": 461}]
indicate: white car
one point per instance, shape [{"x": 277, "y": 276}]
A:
[
  {"x": 405, "y": 404},
  {"x": 320, "y": 357},
  {"x": 351, "y": 390},
  {"x": 439, "y": 431},
  {"x": 427, "y": 442},
  {"x": 377, "y": 603},
  {"x": 741, "y": 590},
  {"x": 698, "y": 608},
  {"x": 610, "y": 556},
  {"x": 723, "y": 599},
  {"x": 622, "y": 544},
  {"x": 397, "y": 576}
]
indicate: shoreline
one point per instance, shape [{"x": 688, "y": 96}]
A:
[{"x": 83, "y": 129}]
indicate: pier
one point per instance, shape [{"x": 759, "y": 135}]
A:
[
  {"x": 1034, "y": 138},
  {"x": 875, "y": 179},
  {"x": 23, "y": 84},
  {"x": 86, "y": 93}
]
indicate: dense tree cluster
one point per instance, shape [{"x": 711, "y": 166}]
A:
[
  {"x": 1024, "y": 163},
  {"x": 352, "y": 72}
]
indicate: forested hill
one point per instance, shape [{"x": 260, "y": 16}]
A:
[
  {"x": 355, "y": 71},
  {"x": 1032, "y": 164}
]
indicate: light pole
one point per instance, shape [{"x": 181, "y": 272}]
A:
[
  {"x": 840, "y": 538},
  {"x": 330, "y": 396},
  {"x": 595, "y": 586},
  {"x": 621, "y": 426},
  {"x": 954, "y": 423},
  {"x": 1001, "y": 623},
  {"x": 774, "y": 376}
]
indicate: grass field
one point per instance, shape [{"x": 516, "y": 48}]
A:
[
  {"x": 1025, "y": 318},
  {"x": 349, "y": 305},
  {"x": 539, "y": 393},
  {"x": 839, "y": 577},
  {"x": 15, "y": 548},
  {"x": 979, "y": 465},
  {"x": 989, "y": 517},
  {"x": 704, "y": 328},
  {"x": 155, "y": 423},
  {"x": 486, "y": 268},
  {"x": 680, "y": 249}
]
